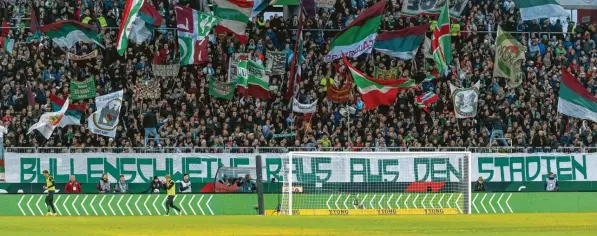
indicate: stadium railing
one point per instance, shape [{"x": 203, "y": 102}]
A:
[{"x": 295, "y": 149}]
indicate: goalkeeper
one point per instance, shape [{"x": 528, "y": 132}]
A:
[{"x": 170, "y": 187}]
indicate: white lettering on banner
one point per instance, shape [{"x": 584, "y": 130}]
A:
[
  {"x": 140, "y": 168},
  {"x": 534, "y": 167}
]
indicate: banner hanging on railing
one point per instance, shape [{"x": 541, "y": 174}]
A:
[{"x": 406, "y": 167}]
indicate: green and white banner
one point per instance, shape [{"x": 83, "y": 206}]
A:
[
  {"x": 140, "y": 168},
  {"x": 316, "y": 168}
]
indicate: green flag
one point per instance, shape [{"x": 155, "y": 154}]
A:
[
  {"x": 82, "y": 89},
  {"x": 509, "y": 56},
  {"x": 441, "y": 44},
  {"x": 223, "y": 90}
]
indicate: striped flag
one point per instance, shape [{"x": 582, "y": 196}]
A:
[
  {"x": 9, "y": 45},
  {"x": 539, "y": 9},
  {"x": 131, "y": 9},
  {"x": 403, "y": 43},
  {"x": 575, "y": 100},
  {"x": 424, "y": 100},
  {"x": 441, "y": 43},
  {"x": 429, "y": 78},
  {"x": 259, "y": 6},
  {"x": 358, "y": 37},
  {"x": 234, "y": 15}
]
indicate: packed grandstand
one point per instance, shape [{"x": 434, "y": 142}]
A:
[{"x": 176, "y": 101}]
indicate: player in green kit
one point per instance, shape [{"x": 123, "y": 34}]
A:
[
  {"x": 170, "y": 187},
  {"x": 51, "y": 189}
]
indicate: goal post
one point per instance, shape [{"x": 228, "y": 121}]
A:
[{"x": 376, "y": 183}]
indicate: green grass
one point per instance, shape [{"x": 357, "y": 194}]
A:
[{"x": 575, "y": 224}]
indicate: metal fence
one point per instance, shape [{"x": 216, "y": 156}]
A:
[{"x": 295, "y": 149}]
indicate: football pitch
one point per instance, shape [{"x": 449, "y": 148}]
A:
[{"x": 486, "y": 224}]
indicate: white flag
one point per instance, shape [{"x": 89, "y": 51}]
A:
[
  {"x": 465, "y": 100},
  {"x": 303, "y": 108},
  {"x": 139, "y": 32},
  {"x": 49, "y": 120},
  {"x": 105, "y": 119},
  {"x": 427, "y": 48}
]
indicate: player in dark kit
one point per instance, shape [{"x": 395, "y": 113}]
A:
[
  {"x": 51, "y": 189},
  {"x": 170, "y": 187}
]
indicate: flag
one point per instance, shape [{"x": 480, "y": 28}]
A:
[
  {"x": 441, "y": 43},
  {"x": 574, "y": 99},
  {"x": 107, "y": 115},
  {"x": 385, "y": 74},
  {"x": 465, "y": 100},
  {"x": 220, "y": 89},
  {"x": 427, "y": 48},
  {"x": 376, "y": 92},
  {"x": 295, "y": 65},
  {"x": 402, "y": 44},
  {"x": 259, "y": 7},
  {"x": 193, "y": 29},
  {"x": 49, "y": 121},
  {"x": 309, "y": 6},
  {"x": 275, "y": 62},
  {"x": 82, "y": 89},
  {"x": 424, "y": 100},
  {"x": 30, "y": 96},
  {"x": 33, "y": 26},
  {"x": 509, "y": 56},
  {"x": 338, "y": 94},
  {"x": 131, "y": 9},
  {"x": 235, "y": 15},
  {"x": 539, "y": 9},
  {"x": 73, "y": 113},
  {"x": 412, "y": 8},
  {"x": 9, "y": 45},
  {"x": 67, "y": 33},
  {"x": 252, "y": 80},
  {"x": 358, "y": 37},
  {"x": 303, "y": 108},
  {"x": 147, "y": 18},
  {"x": 429, "y": 78}
]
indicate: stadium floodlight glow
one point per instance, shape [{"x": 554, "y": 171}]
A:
[{"x": 376, "y": 183}]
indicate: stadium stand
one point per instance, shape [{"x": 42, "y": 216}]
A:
[{"x": 187, "y": 117}]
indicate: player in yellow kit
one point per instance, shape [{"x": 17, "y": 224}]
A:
[
  {"x": 51, "y": 189},
  {"x": 170, "y": 187}
]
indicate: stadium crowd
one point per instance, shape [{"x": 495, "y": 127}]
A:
[{"x": 186, "y": 116}]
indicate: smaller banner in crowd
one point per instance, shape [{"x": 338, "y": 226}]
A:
[
  {"x": 338, "y": 94},
  {"x": 252, "y": 80},
  {"x": 386, "y": 74},
  {"x": 465, "y": 100},
  {"x": 325, "y": 3},
  {"x": 233, "y": 64},
  {"x": 432, "y": 7},
  {"x": 165, "y": 70},
  {"x": 220, "y": 89},
  {"x": 105, "y": 119},
  {"x": 150, "y": 90},
  {"x": 75, "y": 57},
  {"x": 303, "y": 108},
  {"x": 82, "y": 89},
  {"x": 276, "y": 62}
]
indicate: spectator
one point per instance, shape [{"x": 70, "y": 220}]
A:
[
  {"x": 103, "y": 186},
  {"x": 3, "y": 131},
  {"x": 150, "y": 123},
  {"x": 479, "y": 185},
  {"x": 121, "y": 186},
  {"x": 155, "y": 185},
  {"x": 73, "y": 186},
  {"x": 551, "y": 183},
  {"x": 185, "y": 184}
]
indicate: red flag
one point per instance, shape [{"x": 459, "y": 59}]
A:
[{"x": 295, "y": 65}]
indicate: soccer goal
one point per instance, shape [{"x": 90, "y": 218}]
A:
[{"x": 376, "y": 183}]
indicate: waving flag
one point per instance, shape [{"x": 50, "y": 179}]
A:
[
  {"x": 575, "y": 100},
  {"x": 441, "y": 43},
  {"x": 235, "y": 16},
  {"x": 539, "y": 9},
  {"x": 509, "y": 56},
  {"x": 73, "y": 113},
  {"x": 67, "y": 33},
  {"x": 193, "y": 29},
  {"x": 259, "y": 7},
  {"x": 376, "y": 92},
  {"x": 358, "y": 37},
  {"x": 147, "y": 19},
  {"x": 424, "y": 100},
  {"x": 131, "y": 9},
  {"x": 49, "y": 121},
  {"x": 252, "y": 80},
  {"x": 402, "y": 44}
]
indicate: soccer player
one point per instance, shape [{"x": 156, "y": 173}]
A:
[
  {"x": 50, "y": 197},
  {"x": 170, "y": 187}
]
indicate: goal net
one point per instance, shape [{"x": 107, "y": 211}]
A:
[{"x": 376, "y": 183}]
